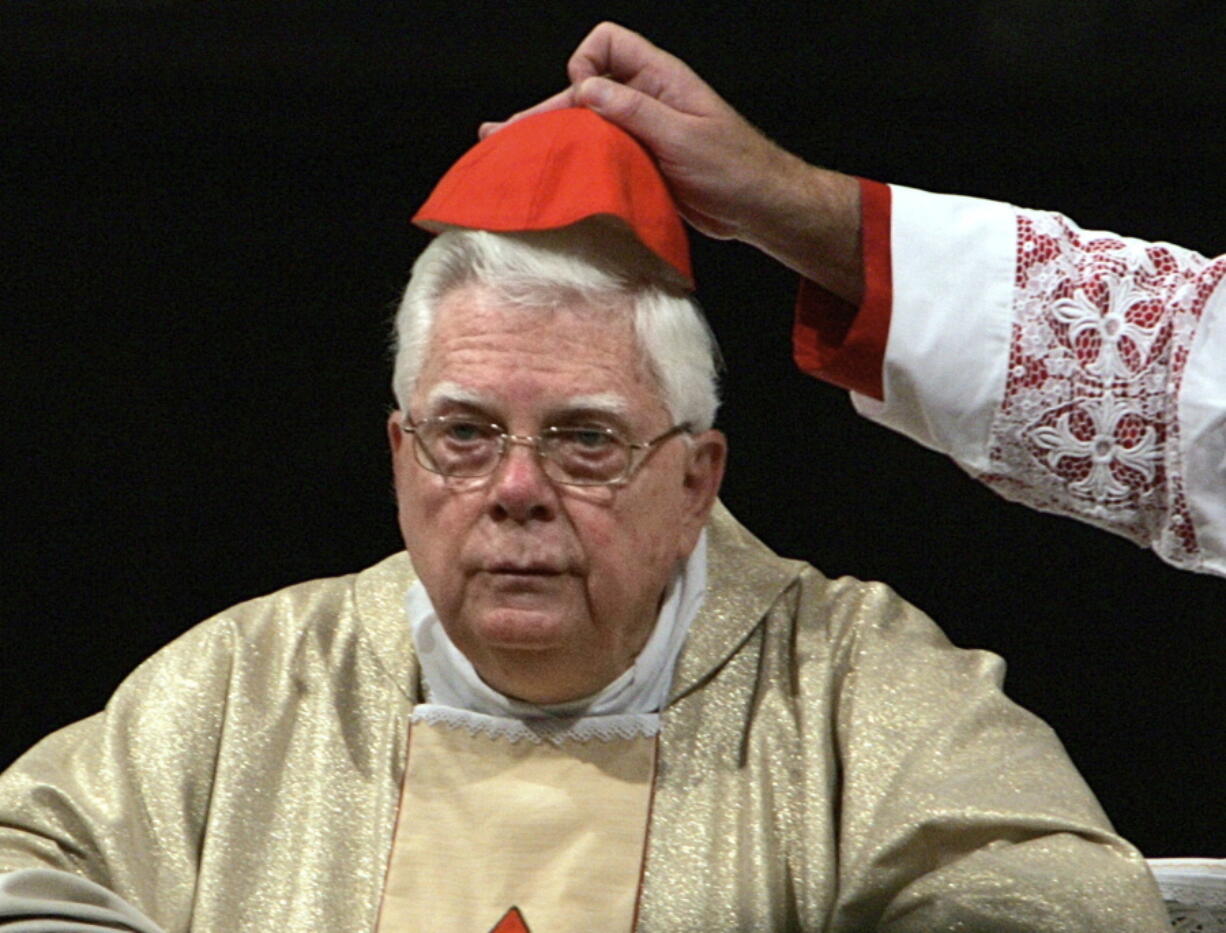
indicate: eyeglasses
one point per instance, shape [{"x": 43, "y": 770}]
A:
[{"x": 463, "y": 448}]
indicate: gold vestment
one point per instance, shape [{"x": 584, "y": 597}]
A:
[{"x": 827, "y": 761}]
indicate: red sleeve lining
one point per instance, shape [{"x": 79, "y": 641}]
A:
[{"x": 834, "y": 340}]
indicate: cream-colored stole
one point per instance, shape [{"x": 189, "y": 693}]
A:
[{"x": 556, "y": 828}]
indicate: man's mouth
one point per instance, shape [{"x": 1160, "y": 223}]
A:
[{"x": 518, "y": 570}]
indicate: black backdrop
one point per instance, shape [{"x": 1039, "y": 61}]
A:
[{"x": 205, "y": 218}]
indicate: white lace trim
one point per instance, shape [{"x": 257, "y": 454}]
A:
[
  {"x": 1088, "y": 424},
  {"x": 1198, "y": 881},
  {"x": 554, "y": 730},
  {"x": 1197, "y": 919}
]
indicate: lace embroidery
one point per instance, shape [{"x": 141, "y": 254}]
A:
[
  {"x": 1197, "y": 919},
  {"x": 1087, "y": 425},
  {"x": 1195, "y": 893},
  {"x": 557, "y": 731}
]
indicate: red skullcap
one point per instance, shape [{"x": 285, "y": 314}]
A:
[{"x": 552, "y": 170}]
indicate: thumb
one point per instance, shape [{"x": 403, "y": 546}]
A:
[{"x": 635, "y": 112}]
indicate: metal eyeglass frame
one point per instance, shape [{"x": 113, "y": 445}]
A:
[{"x": 638, "y": 452}]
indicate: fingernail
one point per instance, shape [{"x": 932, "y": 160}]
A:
[{"x": 594, "y": 93}]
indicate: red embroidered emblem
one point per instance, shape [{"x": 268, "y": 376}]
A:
[{"x": 512, "y": 922}]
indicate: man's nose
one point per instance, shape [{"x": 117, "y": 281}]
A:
[{"x": 521, "y": 491}]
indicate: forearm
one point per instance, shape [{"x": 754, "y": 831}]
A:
[
  {"x": 808, "y": 218},
  {"x": 971, "y": 816},
  {"x": 1051, "y": 884}
]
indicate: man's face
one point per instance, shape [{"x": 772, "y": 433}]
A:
[{"x": 549, "y": 590}]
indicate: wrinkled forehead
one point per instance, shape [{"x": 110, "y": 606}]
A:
[
  {"x": 444, "y": 397},
  {"x": 483, "y": 345},
  {"x": 531, "y": 300}
]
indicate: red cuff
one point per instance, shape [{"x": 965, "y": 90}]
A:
[{"x": 834, "y": 340}]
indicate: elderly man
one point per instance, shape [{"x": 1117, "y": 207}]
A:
[{"x": 586, "y": 699}]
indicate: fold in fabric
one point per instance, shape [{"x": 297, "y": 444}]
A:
[{"x": 42, "y": 900}]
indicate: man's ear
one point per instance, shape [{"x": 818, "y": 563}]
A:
[
  {"x": 704, "y": 474},
  {"x": 397, "y": 440},
  {"x": 393, "y": 429}
]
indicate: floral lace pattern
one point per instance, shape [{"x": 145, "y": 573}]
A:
[{"x": 1087, "y": 425}]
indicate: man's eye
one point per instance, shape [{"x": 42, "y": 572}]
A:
[
  {"x": 465, "y": 431},
  {"x": 588, "y": 438}
]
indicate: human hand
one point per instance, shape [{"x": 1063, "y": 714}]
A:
[
  {"x": 718, "y": 166},
  {"x": 728, "y": 179}
]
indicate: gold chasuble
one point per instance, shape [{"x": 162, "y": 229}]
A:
[
  {"x": 489, "y": 825},
  {"x": 826, "y": 762}
]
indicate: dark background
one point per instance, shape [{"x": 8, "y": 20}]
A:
[{"x": 205, "y": 220}]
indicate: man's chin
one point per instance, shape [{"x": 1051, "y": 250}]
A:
[
  {"x": 520, "y": 628},
  {"x": 531, "y": 656}
]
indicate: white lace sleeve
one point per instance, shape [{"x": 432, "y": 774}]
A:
[
  {"x": 1076, "y": 371},
  {"x": 1096, "y": 419}
]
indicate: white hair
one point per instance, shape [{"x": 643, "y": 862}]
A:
[{"x": 597, "y": 264}]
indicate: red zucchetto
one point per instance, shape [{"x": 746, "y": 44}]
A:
[{"x": 552, "y": 170}]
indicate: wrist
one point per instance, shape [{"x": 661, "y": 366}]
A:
[{"x": 808, "y": 218}]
